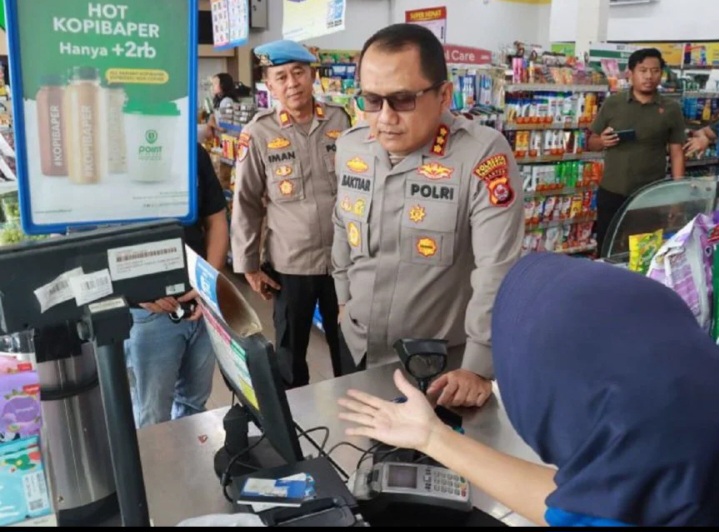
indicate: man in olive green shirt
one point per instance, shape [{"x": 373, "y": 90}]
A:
[{"x": 635, "y": 128}]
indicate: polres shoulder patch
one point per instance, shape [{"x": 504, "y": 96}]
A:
[{"x": 494, "y": 172}]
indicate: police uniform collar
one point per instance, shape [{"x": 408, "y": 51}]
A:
[
  {"x": 285, "y": 119},
  {"x": 631, "y": 98}
]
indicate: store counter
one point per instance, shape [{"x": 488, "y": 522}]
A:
[{"x": 177, "y": 456}]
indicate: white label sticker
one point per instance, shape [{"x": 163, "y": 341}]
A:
[
  {"x": 145, "y": 259},
  {"x": 91, "y": 287},
  {"x": 57, "y": 291},
  {"x": 175, "y": 289},
  {"x": 109, "y": 304},
  {"x": 36, "y": 493}
]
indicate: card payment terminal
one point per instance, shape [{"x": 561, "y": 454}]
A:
[{"x": 401, "y": 482}]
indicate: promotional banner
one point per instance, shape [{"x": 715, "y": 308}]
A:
[
  {"x": 105, "y": 103},
  {"x": 433, "y": 18},
  {"x": 305, "y": 19},
  {"x": 230, "y": 23}
]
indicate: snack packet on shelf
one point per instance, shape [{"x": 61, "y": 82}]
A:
[{"x": 642, "y": 249}]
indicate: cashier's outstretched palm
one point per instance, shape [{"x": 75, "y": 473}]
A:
[{"x": 407, "y": 425}]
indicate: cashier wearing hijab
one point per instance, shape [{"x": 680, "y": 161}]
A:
[{"x": 607, "y": 376}]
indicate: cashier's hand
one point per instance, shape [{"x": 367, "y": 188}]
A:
[
  {"x": 409, "y": 425},
  {"x": 262, "y": 283},
  {"x": 460, "y": 388},
  {"x": 609, "y": 138}
]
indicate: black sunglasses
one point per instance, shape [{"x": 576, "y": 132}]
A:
[{"x": 399, "y": 101}]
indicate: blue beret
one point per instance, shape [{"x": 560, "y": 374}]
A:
[{"x": 282, "y": 52}]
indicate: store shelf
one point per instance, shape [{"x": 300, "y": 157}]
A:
[
  {"x": 559, "y": 223},
  {"x": 529, "y": 87},
  {"x": 588, "y": 156},
  {"x": 700, "y": 94},
  {"x": 542, "y": 127},
  {"x": 577, "y": 250},
  {"x": 709, "y": 161},
  {"x": 566, "y": 191},
  {"x": 230, "y": 129}
]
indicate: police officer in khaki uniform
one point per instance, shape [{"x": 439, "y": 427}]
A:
[
  {"x": 287, "y": 156},
  {"x": 428, "y": 220}
]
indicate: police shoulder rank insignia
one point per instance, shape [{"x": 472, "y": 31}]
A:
[
  {"x": 353, "y": 235},
  {"x": 319, "y": 111},
  {"x": 333, "y": 134},
  {"x": 286, "y": 187},
  {"x": 427, "y": 247},
  {"x": 439, "y": 146},
  {"x": 494, "y": 172},
  {"x": 278, "y": 144},
  {"x": 243, "y": 147},
  {"x": 285, "y": 119},
  {"x": 435, "y": 171},
  {"x": 357, "y": 165}
]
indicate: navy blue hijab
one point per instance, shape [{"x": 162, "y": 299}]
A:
[{"x": 607, "y": 375}]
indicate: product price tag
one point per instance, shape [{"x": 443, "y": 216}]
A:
[
  {"x": 145, "y": 259},
  {"x": 57, "y": 291},
  {"x": 91, "y": 287}
]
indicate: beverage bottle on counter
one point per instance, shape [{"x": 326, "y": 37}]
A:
[
  {"x": 50, "y": 125},
  {"x": 82, "y": 126}
]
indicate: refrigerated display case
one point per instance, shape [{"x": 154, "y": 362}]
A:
[{"x": 666, "y": 205}]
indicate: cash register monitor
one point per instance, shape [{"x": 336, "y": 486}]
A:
[{"x": 250, "y": 368}]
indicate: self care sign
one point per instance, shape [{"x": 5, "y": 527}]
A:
[{"x": 105, "y": 95}]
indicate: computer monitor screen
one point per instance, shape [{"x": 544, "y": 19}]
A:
[{"x": 250, "y": 367}]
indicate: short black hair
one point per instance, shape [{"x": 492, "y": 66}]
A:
[
  {"x": 645, "y": 53},
  {"x": 398, "y": 37}
]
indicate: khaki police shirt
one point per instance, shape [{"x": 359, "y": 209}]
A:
[
  {"x": 421, "y": 249},
  {"x": 295, "y": 172},
  {"x": 633, "y": 164}
]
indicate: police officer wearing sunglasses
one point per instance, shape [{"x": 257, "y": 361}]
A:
[{"x": 428, "y": 219}]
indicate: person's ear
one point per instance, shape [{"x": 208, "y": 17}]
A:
[{"x": 445, "y": 93}]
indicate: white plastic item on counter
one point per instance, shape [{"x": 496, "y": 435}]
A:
[{"x": 240, "y": 519}]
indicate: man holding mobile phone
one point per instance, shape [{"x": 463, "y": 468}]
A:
[{"x": 636, "y": 129}]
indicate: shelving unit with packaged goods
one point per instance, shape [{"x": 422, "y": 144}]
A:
[{"x": 546, "y": 126}]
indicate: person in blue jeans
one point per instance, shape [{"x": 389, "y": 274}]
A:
[
  {"x": 171, "y": 364},
  {"x": 607, "y": 376}
]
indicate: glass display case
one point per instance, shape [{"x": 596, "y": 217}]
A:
[{"x": 666, "y": 205}]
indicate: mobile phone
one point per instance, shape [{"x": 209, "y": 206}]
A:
[{"x": 626, "y": 135}]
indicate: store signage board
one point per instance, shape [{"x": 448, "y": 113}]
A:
[
  {"x": 466, "y": 55},
  {"x": 306, "y": 19},
  {"x": 618, "y": 52},
  {"x": 433, "y": 18},
  {"x": 672, "y": 52},
  {"x": 230, "y": 23},
  {"x": 104, "y": 96}
]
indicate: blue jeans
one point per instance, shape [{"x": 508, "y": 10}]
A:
[{"x": 170, "y": 367}]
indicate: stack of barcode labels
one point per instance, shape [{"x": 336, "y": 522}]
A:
[{"x": 24, "y": 496}]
